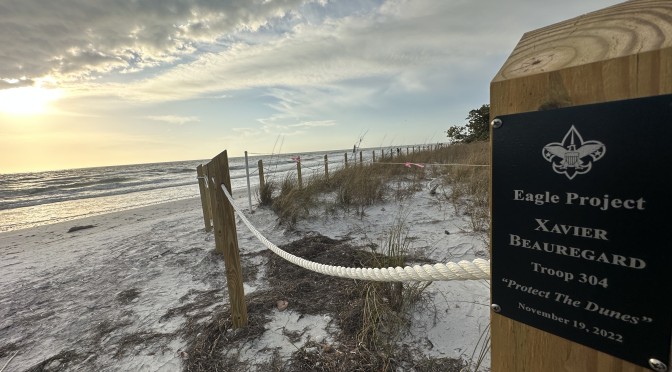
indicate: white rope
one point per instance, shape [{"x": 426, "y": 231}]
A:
[
  {"x": 10, "y": 359},
  {"x": 446, "y": 164},
  {"x": 463, "y": 270}
]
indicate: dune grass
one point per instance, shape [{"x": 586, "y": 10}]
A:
[
  {"x": 455, "y": 170},
  {"x": 458, "y": 175}
]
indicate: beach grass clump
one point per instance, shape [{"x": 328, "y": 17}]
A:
[
  {"x": 386, "y": 305},
  {"x": 293, "y": 202},
  {"x": 265, "y": 193},
  {"x": 357, "y": 187}
]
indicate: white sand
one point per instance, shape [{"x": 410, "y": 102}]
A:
[{"x": 58, "y": 290}]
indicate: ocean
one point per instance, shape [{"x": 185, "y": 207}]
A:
[{"x": 42, "y": 198}]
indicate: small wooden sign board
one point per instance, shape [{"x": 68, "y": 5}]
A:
[{"x": 581, "y": 225}]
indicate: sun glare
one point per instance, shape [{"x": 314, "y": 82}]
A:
[{"x": 27, "y": 100}]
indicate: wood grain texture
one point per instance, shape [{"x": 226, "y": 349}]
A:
[
  {"x": 618, "y": 53},
  {"x": 204, "y": 197},
  {"x": 626, "y": 29},
  {"x": 226, "y": 237},
  {"x": 262, "y": 182}
]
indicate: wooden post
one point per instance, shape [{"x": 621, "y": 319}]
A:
[
  {"x": 374, "y": 156},
  {"x": 208, "y": 185},
  {"x": 326, "y": 167},
  {"x": 262, "y": 181},
  {"x": 580, "y": 61},
  {"x": 204, "y": 199},
  {"x": 298, "y": 173},
  {"x": 361, "y": 159},
  {"x": 346, "y": 159},
  {"x": 226, "y": 238},
  {"x": 406, "y": 150},
  {"x": 247, "y": 176}
]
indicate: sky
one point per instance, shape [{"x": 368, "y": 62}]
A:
[{"x": 108, "y": 82}]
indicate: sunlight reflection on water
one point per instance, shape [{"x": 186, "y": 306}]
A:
[{"x": 38, "y": 215}]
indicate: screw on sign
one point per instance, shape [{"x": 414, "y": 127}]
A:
[{"x": 657, "y": 365}]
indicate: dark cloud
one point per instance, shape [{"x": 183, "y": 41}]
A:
[{"x": 80, "y": 37}]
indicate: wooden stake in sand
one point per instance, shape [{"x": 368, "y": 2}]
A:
[
  {"x": 204, "y": 197},
  {"x": 262, "y": 182},
  {"x": 326, "y": 166},
  {"x": 226, "y": 237}
]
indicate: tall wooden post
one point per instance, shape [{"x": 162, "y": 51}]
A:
[
  {"x": 226, "y": 238},
  {"x": 621, "y": 52},
  {"x": 204, "y": 198},
  {"x": 298, "y": 173},
  {"x": 346, "y": 159},
  {"x": 361, "y": 159},
  {"x": 326, "y": 166},
  {"x": 262, "y": 181},
  {"x": 247, "y": 177}
]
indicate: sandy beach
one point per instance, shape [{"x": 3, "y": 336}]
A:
[{"x": 113, "y": 296}]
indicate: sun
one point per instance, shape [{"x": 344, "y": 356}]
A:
[{"x": 26, "y": 101}]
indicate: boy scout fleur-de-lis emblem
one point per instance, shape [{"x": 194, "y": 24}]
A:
[{"x": 574, "y": 155}]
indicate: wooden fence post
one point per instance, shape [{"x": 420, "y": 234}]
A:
[
  {"x": 326, "y": 167},
  {"x": 361, "y": 159},
  {"x": 247, "y": 177},
  {"x": 374, "y": 156},
  {"x": 262, "y": 182},
  {"x": 346, "y": 159},
  {"x": 298, "y": 172},
  {"x": 577, "y": 62},
  {"x": 226, "y": 238},
  {"x": 204, "y": 198}
]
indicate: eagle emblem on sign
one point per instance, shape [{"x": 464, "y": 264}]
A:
[{"x": 573, "y": 155}]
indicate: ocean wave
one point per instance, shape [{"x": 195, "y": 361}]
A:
[{"x": 20, "y": 203}]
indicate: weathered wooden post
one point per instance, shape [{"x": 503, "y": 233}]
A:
[
  {"x": 247, "y": 176},
  {"x": 346, "y": 159},
  {"x": 226, "y": 237},
  {"x": 262, "y": 181},
  {"x": 361, "y": 159},
  {"x": 580, "y": 277},
  {"x": 204, "y": 198},
  {"x": 326, "y": 166},
  {"x": 298, "y": 172},
  {"x": 374, "y": 156}
]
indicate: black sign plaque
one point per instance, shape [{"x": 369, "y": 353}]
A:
[{"x": 581, "y": 225}]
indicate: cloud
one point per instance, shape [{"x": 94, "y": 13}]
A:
[
  {"x": 173, "y": 119},
  {"x": 16, "y": 83},
  {"x": 312, "y": 124},
  {"x": 405, "y": 45},
  {"x": 72, "y": 39}
]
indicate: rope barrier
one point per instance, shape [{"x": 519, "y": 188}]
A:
[
  {"x": 448, "y": 164},
  {"x": 463, "y": 270}
]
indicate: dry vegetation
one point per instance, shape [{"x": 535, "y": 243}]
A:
[
  {"x": 358, "y": 186},
  {"x": 370, "y": 315}
]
